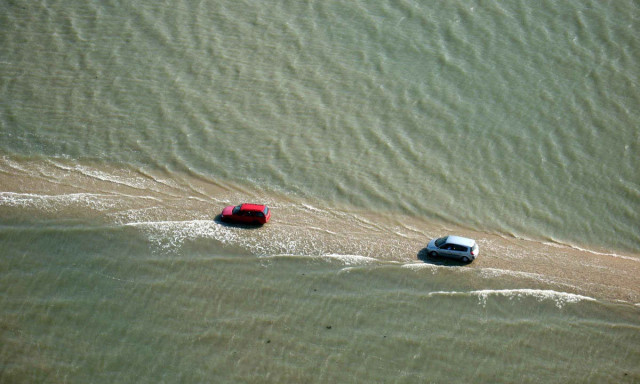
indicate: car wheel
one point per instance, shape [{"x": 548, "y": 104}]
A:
[
  {"x": 433, "y": 254},
  {"x": 465, "y": 259}
]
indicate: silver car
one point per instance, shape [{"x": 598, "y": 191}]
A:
[{"x": 456, "y": 247}]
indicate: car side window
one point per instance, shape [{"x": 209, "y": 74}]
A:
[{"x": 460, "y": 248}]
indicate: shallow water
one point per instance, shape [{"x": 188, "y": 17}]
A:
[
  {"x": 94, "y": 303},
  {"x": 125, "y": 128},
  {"x": 137, "y": 280}
]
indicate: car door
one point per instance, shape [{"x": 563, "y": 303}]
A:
[
  {"x": 446, "y": 250},
  {"x": 251, "y": 217},
  {"x": 460, "y": 251},
  {"x": 244, "y": 216}
]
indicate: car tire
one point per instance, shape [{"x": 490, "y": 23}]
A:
[
  {"x": 465, "y": 259},
  {"x": 433, "y": 254}
]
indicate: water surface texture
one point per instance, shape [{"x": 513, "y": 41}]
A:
[{"x": 368, "y": 127}]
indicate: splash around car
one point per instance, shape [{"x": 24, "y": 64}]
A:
[
  {"x": 455, "y": 247},
  {"x": 255, "y": 214}
]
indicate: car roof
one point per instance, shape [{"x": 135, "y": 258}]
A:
[
  {"x": 461, "y": 241},
  {"x": 253, "y": 207}
]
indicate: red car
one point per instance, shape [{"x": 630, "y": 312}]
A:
[{"x": 246, "y": 213}]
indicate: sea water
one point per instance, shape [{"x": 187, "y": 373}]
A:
[{"x": 368, "y": 128}]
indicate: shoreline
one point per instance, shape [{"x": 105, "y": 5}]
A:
[{"x": 179, "y": 209}]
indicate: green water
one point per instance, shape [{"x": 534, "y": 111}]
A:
[
  {"x": 94, "y": 304},
  {"x": 369, "y": 128}
]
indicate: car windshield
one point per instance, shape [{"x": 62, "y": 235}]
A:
[
  {"x": 236, "y": 209},
  {"x": 440, "y": 241},
  {"x": 266, "y": 210}
]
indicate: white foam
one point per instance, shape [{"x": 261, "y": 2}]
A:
[
  {"x": 605, "y": 254},
  {"x": 14, "y": 165},
  {"x": 311, "y": 208},
  {"x": 170, "y": 235},
  {"x": 278, "y": 255},
  {"x": 168, "y": 182},
  {"x": 494, "y": 272},
  {"x": 126, "y": 216},
  {"x": 351, "y": 259},
  {"x": 577, "y": 248},
  {"x": 30, "y": 200},
  {"x": 401, "y": 234},
  {"x": 419, "y": 266},
  {"x": 560, "y": 298},
  {"x": 323, "y": 230},
  {"x": 133, "y": 182},
  {"x": 60, "y": 166}
]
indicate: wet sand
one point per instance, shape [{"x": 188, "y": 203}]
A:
[{"x": 175, "y": 208}]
